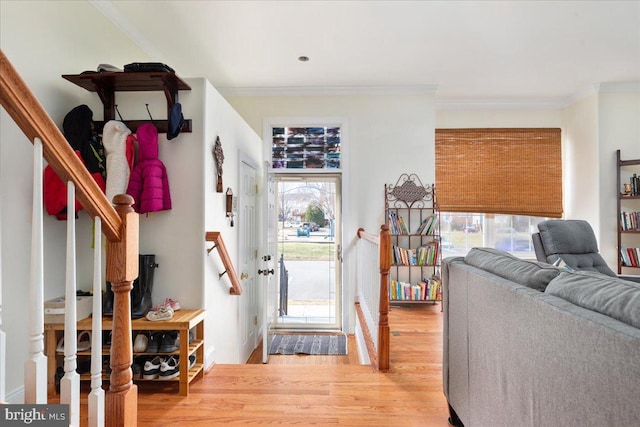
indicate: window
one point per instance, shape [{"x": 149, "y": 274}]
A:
[
  {"x": 306, "y": 147},
  {"x": 493, "y": 187},
  {"x": 511, "y": 233}
]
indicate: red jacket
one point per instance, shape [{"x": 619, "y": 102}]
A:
[{"x": 55, "y": 192}]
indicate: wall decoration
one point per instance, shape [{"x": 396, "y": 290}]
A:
[{"x": 218, "y": 155}]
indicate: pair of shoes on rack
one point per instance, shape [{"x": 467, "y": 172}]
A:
[
  {"x": 151, "y": 368},
  {"x": 174, "y": 305},
  {"x": 170, "y": 368},
  {"x": 163, "y": 313},
  {"x": 154, "y": 342},
  {"x": 170, "y": 342},
  {"x": 83, "y": 342},
  {"x": 140, "y": 343},
  {"x": 161, "y": 368},
  {"x": 163, "y": 342}
]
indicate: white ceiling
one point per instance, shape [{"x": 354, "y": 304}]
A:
[{"x": 485, "y": 51}]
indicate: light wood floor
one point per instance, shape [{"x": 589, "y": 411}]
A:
[{"x": 318, "y": 390}]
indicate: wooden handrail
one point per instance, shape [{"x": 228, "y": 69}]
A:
[
  {"x": 18, "y": 100},
  {"x": 216, "y": 238},
  {"x": 373, "y": 238}
]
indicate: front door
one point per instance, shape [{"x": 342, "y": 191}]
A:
[
  {"x": 248, "y": 261},
  {"x": 308, "y": 251},
  {"x": 270, "y": 290}
]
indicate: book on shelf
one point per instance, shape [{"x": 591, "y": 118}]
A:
[
  {"x": 426, "y": 226},
  {"x": 635, "y": 185},
  {"x": 630, "y": 257},
  {"x": 630, "y": 221},
  {"x": 425, "y": 290},
  {"x": 423, "y": 255},
  {"x": 397, "y": 224}
]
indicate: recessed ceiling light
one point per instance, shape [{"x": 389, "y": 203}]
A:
[{"x": 303, "y": 58}]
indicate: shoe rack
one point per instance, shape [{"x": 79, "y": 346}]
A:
[{"x": 182, "y": 322}]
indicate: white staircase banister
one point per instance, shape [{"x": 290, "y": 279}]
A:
[
  {"x": 96, "y": 397},
  {"x": 35, "y": 369},
  {"x": 70, "y": 383}
]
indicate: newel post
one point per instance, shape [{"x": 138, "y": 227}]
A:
[
  {"x": 121, "y": 271},
  {"x": 383, "y": 322}
]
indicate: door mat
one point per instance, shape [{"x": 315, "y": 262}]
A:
[{"x": 309, "y": 344}]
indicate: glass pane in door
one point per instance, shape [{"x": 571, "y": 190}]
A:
[{"x": 308, "y": 251}]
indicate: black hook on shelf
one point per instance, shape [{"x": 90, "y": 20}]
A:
[{"x": 119, "y": 115}]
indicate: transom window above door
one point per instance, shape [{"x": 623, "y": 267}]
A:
[{"x": 313, "y": 147}]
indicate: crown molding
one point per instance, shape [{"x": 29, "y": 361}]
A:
[
  {"x": 525, "y": 103},
  {"x": 619, "y": 87},
  {"x": 328, "y": 91}
]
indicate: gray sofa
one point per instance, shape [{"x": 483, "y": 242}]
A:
[{"x": 528, "y": 344}]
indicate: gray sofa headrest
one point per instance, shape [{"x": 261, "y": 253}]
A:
[
  {"x": 615, "y": 298},
  {"x": 531, "y": 274}
]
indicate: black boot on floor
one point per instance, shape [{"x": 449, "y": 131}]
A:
[
  {"x": 107, "y": 301},
  {"x": 142, "y": 286}
]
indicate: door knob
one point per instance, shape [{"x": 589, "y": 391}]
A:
[
  {"x": 244, "y": 276},
  {"x": 266, "y": 272}
]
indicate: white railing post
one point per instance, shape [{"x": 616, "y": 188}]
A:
[
  {"x": 70, "y": 383},
  {"x": 3, "y": 340},
  {"x": 35, "y": 369},
  {"x": 96, "y": 397}
]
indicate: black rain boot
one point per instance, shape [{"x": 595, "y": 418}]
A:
[
  {"x": 142, "y": 286},
  {"x": 107, "y": 301}
]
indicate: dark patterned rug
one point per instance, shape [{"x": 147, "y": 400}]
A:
[{"x": 309, "y": 344}]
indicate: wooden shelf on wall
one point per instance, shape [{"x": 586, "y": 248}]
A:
[{"x": 106, "y": 84}]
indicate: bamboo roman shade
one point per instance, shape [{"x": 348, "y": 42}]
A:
[{"x": 516, "y": 171}]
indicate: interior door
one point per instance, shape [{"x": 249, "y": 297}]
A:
[
  {"x": 270, "y": 311},
  {"x": 248, "y": 261}
]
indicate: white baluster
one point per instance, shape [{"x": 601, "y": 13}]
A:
[
  {"x": 35, "y": 368},
  {"x": 70, "y": 383},
  {"x": 3, "y": 340},
  {"x": 96, "y": 397}
]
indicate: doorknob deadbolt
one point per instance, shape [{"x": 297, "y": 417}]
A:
[
  {"x": 265, "y": 272},
  {"x": 244, "y": 276}
]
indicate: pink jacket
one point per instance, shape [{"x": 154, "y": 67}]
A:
[{"x": 149, "y": 184}]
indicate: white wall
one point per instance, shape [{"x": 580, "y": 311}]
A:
[
  {"x": 387, "y": 135},
  {"x": 238, "y": 140},
  {"x": 44, "y": 40},
  {"x": 580, "y": 161},
  {"x": 619, "y": 129}
]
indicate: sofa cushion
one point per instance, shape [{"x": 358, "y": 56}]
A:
[
  {"x": 612, "y": 297},
  {"x": 531, "y": 274}
]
